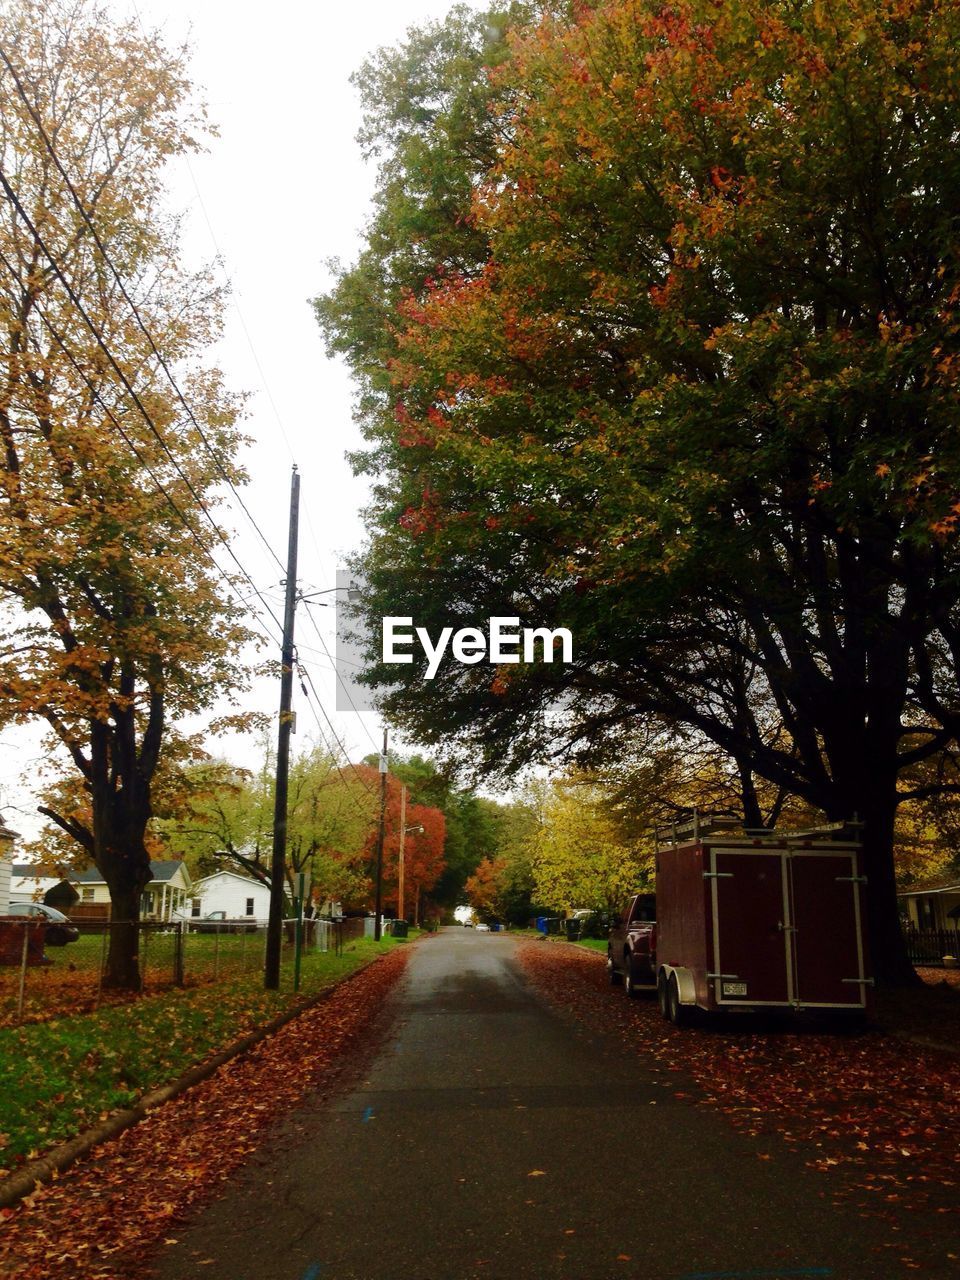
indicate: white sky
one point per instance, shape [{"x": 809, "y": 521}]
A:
[{"x": 281, "y": 190}]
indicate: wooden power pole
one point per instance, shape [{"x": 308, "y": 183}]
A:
[
  {"x": 383, "y": 822},
  {"x": 271, "y": 967}
]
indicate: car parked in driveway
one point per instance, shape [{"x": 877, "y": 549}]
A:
[{"x": 60, "y": 930}]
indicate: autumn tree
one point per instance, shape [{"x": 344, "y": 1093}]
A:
[
  {"x": 470, "y": 820},
  {"x": 581, "y": 856},
  {"x": 224, "y": 820},
  {"x": 116, "y": 617},
  {"x": 423, "y": 846},
  {"x": 693, "y": 395},
  {"x": 484, "y": 889}
]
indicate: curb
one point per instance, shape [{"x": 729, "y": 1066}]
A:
[{"x": 31, "y": 1176}]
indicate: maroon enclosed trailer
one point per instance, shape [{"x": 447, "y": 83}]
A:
[{"x": 760, "y": 924}]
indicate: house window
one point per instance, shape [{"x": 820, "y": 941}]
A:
[
  {"x": 86, "y": 895},
  {"x": 194, "y": 907},
  {"x": 249, "y": 906}
]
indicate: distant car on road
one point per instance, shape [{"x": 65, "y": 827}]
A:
[
  {"x": 483, "y": 928},
  {"x": 60, "y": 930}
]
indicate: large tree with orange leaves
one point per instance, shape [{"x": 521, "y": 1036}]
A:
[
  {"x": 115, "y": 614},
  {"x": 423, "y": 844},
  {"x": 690, "y": 388}
]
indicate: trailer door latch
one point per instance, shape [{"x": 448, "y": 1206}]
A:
[
  {"x": 851, "y": 879},
  {"x": 718, "y": 875},
  {"x": 860, "y": 982},
  {"x": 787, "y": 928}
]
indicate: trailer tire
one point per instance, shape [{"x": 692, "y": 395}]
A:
[
  {"x": 679, "y": 1014},
  {"x": 613, "y": 973}
]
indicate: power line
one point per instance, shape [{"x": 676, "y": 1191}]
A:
[
  {"x": 342, "y": 682},
  {"x": 130, "y": 302},
  {"x": 98, "y": 338},
  {"x": 305, "y": 675},
  {"x": 94, "y": 391}
]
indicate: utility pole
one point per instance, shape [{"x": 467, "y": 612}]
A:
[
  {"x": 383, "y": 818},
  {"x": 403, "y": 832},
  {"x": 271, "y": 967}
]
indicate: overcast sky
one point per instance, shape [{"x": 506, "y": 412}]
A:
[{"x": 281, "y": 190}]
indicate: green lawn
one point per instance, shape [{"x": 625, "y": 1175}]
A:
[
  {"x": 58, "y": 1077},
  {"x": 595, "y": 944}
]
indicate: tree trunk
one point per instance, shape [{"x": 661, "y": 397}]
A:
[
  {"x": 123, "y": 957},
  {"x": 888, "y": 949}
]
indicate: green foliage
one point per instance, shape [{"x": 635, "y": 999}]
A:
[
  {"x": 57, "y": 1078},
  {"x": 694, "y": 397},
  {"x": 580, "y": 856},
  {"x": 224, "y": 819}
]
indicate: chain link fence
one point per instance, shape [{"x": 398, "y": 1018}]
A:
[{"x": 47, "y": 970}]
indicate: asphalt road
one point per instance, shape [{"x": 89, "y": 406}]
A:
[{"x": 490, "y": 1139}]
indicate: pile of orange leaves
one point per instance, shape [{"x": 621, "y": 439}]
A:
[
  {"x": 876, "y": 1115},
  {"x": 103, "y": 1217}
]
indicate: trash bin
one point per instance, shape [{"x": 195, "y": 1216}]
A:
[{"x": 399, "y": 929}]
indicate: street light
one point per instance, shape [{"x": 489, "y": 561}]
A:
[{"x": 353, "y": 595}]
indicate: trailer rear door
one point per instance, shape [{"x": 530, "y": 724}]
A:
[
  {"x": 827, "y": 940},
  {"x": 751, "y": 948}
]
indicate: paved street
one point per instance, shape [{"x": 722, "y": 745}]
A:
[{"x": 488, "y": 1138}]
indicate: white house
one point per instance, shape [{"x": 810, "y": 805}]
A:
[
  {"x": 933, "y": 904},
  {"x": 7, "y": 838},
  {"x": 164, "y": 896},
  {"x": 29, "y": 884},
  {"x": 237, "y": 896}
]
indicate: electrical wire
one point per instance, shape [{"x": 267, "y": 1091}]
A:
[
  {"x": 340, "y": 679},
  {"x": 101, "y": 343},
  {"x": 94, "y": 391},
  {"x": 130, "y": 302},
  {"x": 305, "y": 675},
  {"x": 313, "y": 703}
]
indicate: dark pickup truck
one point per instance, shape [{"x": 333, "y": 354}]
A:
[{"x": 632, "y": 947}]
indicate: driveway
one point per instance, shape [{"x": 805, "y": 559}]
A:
[{"x": 490, "y": 1139}]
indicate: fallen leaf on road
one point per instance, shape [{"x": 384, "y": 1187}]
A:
[
  {"x": 119, "y": 1205},
  {"x": 536, "y": 1173}
]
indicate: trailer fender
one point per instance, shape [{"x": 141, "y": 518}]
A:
[{"x": 685, "y": 984}]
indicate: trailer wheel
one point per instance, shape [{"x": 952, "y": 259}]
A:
[
  {"x": 613, "y": 973},
  {"x": 679, "y": 1014},
  {"x": 662, "y": 1001}
]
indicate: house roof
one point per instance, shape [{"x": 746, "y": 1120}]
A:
[
  {"x": 165, "y": 870},
  {"x": 6, "y": 833},
  {"x": 236, "y": 875},
  {"x": 25, "y": 872},
  {"x": 939, "y": 884}
]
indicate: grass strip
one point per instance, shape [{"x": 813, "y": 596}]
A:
[{"x": 58, "y": 1078}]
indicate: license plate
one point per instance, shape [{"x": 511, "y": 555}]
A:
[{"x": 734, "y": 988}]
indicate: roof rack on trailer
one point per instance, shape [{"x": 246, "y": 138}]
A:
[
  {"x": 827, "y": 831},
  {"x": 704, "y": 824},
  {"x": 699, "y": 824}
]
